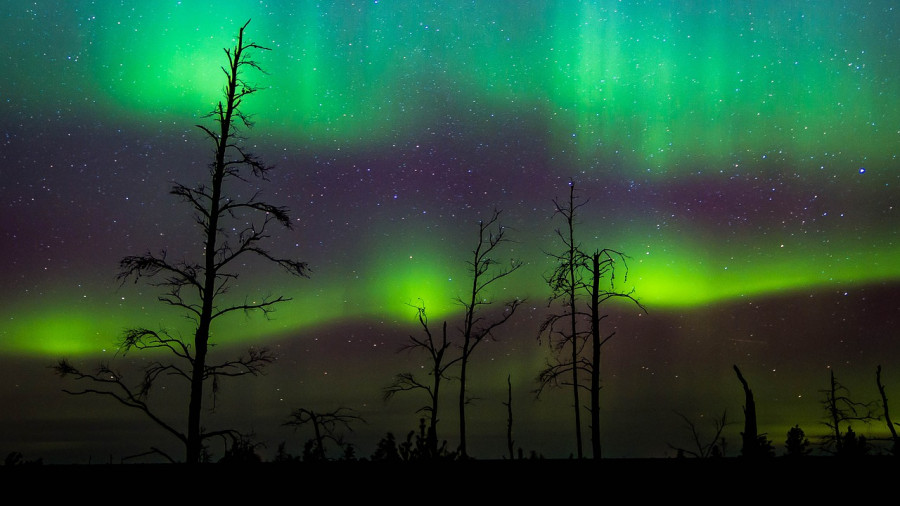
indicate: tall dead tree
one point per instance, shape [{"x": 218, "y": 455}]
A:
[
  {"x": 325, "y": 427},
  {"x": 895, "y": 447},
  {"x": 753, "y": 444},
  {"x": 438, "y": 365},
  {"x": 486, "y": 271},
  {"x": 749, "y": 435},
  {"x": 233, "y": 228},
  {"x": 601, "y": 271},
  {"x": 841, "y": 409},
  {"x": 577, "y": 275},
  {"x": 510, "y": 443},
  {"x": 705, "y": 448},
  {"x": 561, "y": 328}
]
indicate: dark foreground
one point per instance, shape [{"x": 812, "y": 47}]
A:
[{"x": 523, "y": 479}]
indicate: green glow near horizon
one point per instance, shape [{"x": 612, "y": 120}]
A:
[
  {"x": 678, "y": 277},
  {"x": 59, "y": 333}
]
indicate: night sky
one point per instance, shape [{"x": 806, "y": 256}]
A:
[{"x": 743, "y": 154}]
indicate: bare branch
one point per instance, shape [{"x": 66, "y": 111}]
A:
[
  {"x": 266, "y": 306},
  {"x": 325, "y": 425},
  {"x": 153, "y": 451},
  {"x": 113, "y": 387},
  {"x": 253, "y": 363},
  {"x": 148, "y": 265},
  {"x": 342, "y": 416},
  {"x": 841, "y": 409},
  {"x": 140, "y": 339},
  {"x": 704, "y": 449},
  {"x": 403, "y": 382}
]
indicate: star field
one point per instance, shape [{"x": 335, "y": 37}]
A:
[{"x": 744, "y": 155}]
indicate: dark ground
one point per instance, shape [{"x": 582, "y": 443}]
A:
[{"x": 530, "y": 481}]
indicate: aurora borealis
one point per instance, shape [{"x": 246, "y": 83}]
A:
[{"x": 743, "y": 154}]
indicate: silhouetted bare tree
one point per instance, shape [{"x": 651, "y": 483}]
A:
[
  {"x": 713, "y": 447},
  {"x": 325, "y": 426},
  {"x": 233, "y": 226},
  {"x": 510, "y": 443},
  {"x": 753, "y": 444},
  {"x": 577, "y": 274},
  {"x": 895, "y": 447},
  {"x": 486, "y": 271},
  {"x": 841, "y": 409},
  {"x": 562, "y": 328},
  {"x": 438, "y": 364},
  {"x": 601, "y": 273}
]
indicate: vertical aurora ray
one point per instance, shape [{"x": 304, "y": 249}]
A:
[{"x": 663, "y": 87}]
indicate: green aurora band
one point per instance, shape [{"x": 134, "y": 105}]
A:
[
  {"x": 661, "y": 82},
  {"x": 663, "y": 92}
]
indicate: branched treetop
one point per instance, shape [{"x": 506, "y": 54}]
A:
[
  {"x": 841, "y": 408},
  {"x": 325, "y": 425},
  {"x": 569, "y": 261},
  {"x": 578, "y": 275},
  {"x": 486, "y": 270},
  {"x": 704, "y": 449},
  {"x": 838, "y": 401},
  {"x": 329, "y": 422},
  {"x": 235, "y": 91},
  {"x": 188, "y": 282},
  {"x": 436, "y": 349}
]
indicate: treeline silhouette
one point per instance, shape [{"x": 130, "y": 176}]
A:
[{"x": 233, "y": 227}]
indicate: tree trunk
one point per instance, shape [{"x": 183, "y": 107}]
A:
[
  {"x": 574, "y": 326},
  {"x": 467, "y": 343},
  {"x": 749, "y": 437},
  {"x": 432, "y": 438},
  {"x": 201, "y": 336},
  {"x": 462, "y": 402},
  {"x": 195, "y": 439},
  {"x": 509, "y": 418},
  {"x": 835, "y": 416},
  {"x": 595, "y": 356},
  {"x": 887, "y": 417},
  {"x": 320, "y": 444}
]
